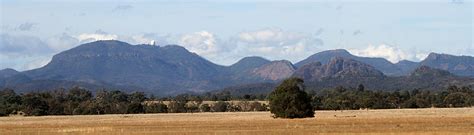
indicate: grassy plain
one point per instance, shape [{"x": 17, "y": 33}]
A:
[{"x": 395, "y": 121}]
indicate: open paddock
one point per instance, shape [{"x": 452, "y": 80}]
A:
[{"x": 393, "y": 121}]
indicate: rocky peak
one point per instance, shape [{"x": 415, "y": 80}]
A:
[
  {"x": 342, "y": 67},
  {"x": 426, "y": 71},
  {"x": 337, "y": 67},
  {"x": 325, "y": 57},
  {"x": 276, "y": 70},
  {"x": 436, "y": 56}
]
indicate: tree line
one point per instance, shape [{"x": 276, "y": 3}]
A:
[
  {"x": 290, "y": 100},
  {"x": 341, "y": 98},
  {"x": 79, "y": 101}
]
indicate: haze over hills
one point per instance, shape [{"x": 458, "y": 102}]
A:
[{"x": 172, "y": 69}]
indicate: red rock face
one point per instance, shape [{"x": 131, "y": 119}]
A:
[{"x": 276, "y": 70}]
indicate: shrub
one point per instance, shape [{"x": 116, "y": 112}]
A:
[
  {"x": 256, "y": 106},
  {"x": 156, "y": 108},
  {"x": 205, "y": 108},
  {"x": 457, "y": 99},
  {"x": 220, "y": 106},
  {"x": 135, "y": 107},
  {"x": 177, "y": 107},
  {"x": 289, "y": 100}
]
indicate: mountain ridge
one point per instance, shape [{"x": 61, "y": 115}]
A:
[
  {"x": 173, "y": 69},
  {"x": 337, "y": 67},
  {"x": 381, "y": 64}
]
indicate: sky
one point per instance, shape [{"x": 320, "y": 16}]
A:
[{"x": 224, "y": 31}]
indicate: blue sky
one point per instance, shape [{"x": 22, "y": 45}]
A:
[{"x": 224, "y": 31}]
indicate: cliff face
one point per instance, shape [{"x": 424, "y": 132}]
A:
[
  {"x": 380, "y": 64},
  {"x": 337, "y": 67},
  {"x": 276, "y": 70}
]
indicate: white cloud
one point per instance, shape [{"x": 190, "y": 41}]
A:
[
  {"x": 122, "y": 7},
  {"x": 147, "y": 38},
  {"x": 28, "y": 26},
  {"x": 270, "y": 43},
  {"x": 421, "y": 56},
  {"x": 274, "y": 43},
  {"x": 22, "y": 52},
  {"x": 141, "y": 39},
  {"x": 37, "y": 62},
  {"x": 21, "y": 45},
  {"x": 388, "y": 52},
  {"x": 87, "y": 37},
  {"x": 62, "y": 42},
  {"x": 271, "y": 36},
  {"x": 203, "y": 43}
]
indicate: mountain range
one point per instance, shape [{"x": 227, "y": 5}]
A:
[{"x": 171, "y": 69}]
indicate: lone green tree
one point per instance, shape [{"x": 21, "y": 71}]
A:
[{"x": 289, "y": 100}]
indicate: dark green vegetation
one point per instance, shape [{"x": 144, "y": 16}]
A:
[
  {"x": 289, "y": 100},
  {"x": 342, "y": 98},
  {"x": 81, "y": 101}
]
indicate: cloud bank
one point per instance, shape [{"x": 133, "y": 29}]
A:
[
  {"x": 388, "y": 52},
  {"x": 28, "y": 26},
  {"x": 86, "y": 37},
  {"x": 26, "y": 52},
  {"x": 23, "y": 52},
  {"x": 203, "y": 43},
  {"x": 275, "y": 43}
]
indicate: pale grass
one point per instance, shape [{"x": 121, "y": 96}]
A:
[{"x": 396, "y": 121}]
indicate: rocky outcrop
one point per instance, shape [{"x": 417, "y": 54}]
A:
[
  {"x": 276, "y": 70},
  {"x": 337, "y": 67}
]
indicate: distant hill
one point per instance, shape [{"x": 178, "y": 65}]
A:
[
  {"x": 276, "y": 70},
  {"x": 459, "y": 65},
  {"x": 423, "y": 77},
  {"x": 8, "y": 72},
  {"x": 337, "y": 67},
  {"x": 248, "y": 63},
  {"x": 407, "y": 66},
  {"x": 268, "y": 71},
  {"x": 425, "y": 71},
  {"x": 381, "y": 64},
  {"x": 171, "y": 69},
  {"x": 165, "y": 69}
]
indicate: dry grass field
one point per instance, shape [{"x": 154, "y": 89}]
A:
[{"x": 403, "y": 121}]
